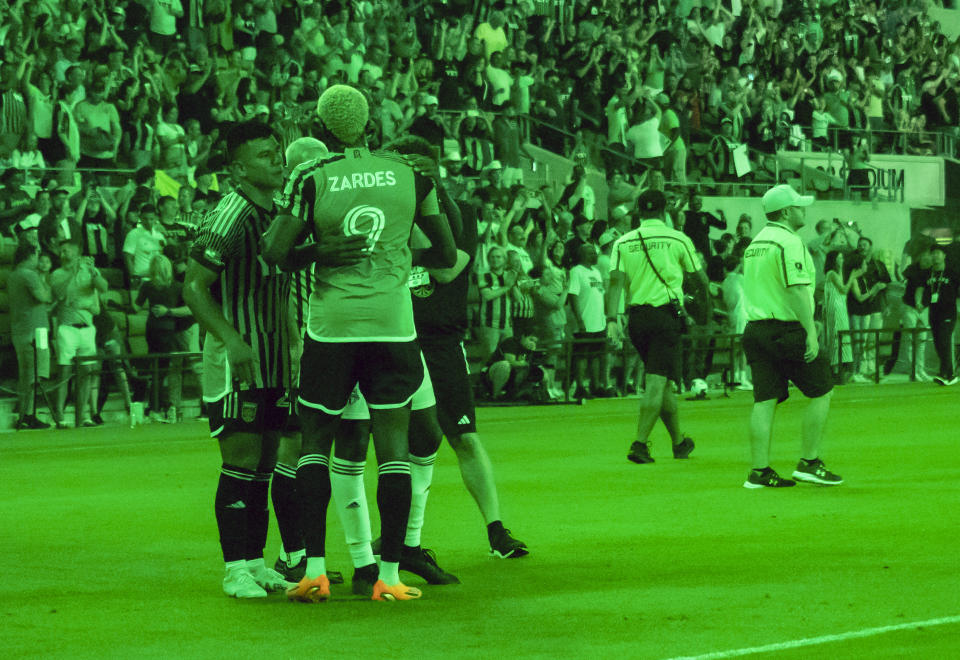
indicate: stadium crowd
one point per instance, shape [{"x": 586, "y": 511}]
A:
[{"x": 111, "y": 115}]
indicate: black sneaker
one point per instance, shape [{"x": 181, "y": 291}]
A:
[
  {"x": 767, "y": 478},
  {"x": 423, "y": 562},
  {"x": 684, "y": 449},
  {"x": 97, "y": 419},
  {"x": 297, "y": 572},
  {"x": 640, "y": 453},
  {"x": 815, "y": 472},
  {"x": 30, "y": 422},
  {"x": 291, "y": 573},
  {"x": 363, "y": 580},
  {"x": 504, "y": 546}
]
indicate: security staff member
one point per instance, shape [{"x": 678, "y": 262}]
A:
[
  {"x": 647, "y": 265},
  {"x": 780, "y": 340}
]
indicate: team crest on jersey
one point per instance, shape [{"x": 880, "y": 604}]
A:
[
  {"x": 420, "y": 283},
  {"x": 799, "y": 266},
  {"x": 248, "y": 412}
]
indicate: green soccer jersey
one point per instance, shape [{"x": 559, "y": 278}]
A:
[{"x": 377, "y": 195}]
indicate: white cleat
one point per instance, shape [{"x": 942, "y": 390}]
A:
[
  {"x": 270, "y": 580},
  {"x": 240, "y": 584}
]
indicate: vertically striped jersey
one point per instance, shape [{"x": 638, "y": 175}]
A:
[
  {"x": 253, "y": 296},
  {"x": 377, "y": 195}
]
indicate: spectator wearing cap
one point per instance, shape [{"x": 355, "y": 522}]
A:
[
  {"x": 99, "y": 126},
  {"x": 428, "y": 123},
  {"x": 720, "y": 152},
  {"x": 647, "y": 266},
  {"x": 454, "y": 182},
  {"x": 475, "y": 137},
  {"x": 675, "y": 151}
]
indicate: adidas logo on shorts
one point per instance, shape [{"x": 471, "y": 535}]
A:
[{"x": 463, "y": 420}]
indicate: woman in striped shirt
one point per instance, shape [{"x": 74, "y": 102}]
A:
[{"x": 495, "y": 304}]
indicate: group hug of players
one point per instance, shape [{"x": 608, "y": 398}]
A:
[{"x": 333, "y": 295}]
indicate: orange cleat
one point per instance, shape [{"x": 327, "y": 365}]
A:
[
  {"x": 310, "y": 590},
  {"x": 399, "y": 591}
]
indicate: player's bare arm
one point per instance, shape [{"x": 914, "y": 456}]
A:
[
  {"x": 442, "y": 252},
  {"x": 196, "y": 293},
  {"x": 428, "y": 168},
  {"x": 447, "y": 275},
  {"x": 332, "y": 249}
]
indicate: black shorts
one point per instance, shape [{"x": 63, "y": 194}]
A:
[
  {"x": 656, "y": 334},
  {"x": 388, "y": 373},
  {"x": 774, "y": 351},
  {"x": 249, "y": 411},
  {"x": 591, "y": 344},
  {"x": 449, "y": 371}
]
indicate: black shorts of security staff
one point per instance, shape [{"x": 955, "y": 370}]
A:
[
  {"x": 775, "y": 351},
  {"x": 656, "y": 334}
]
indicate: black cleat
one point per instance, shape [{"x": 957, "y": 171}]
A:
[
  {"x": 639, "y": 453},
  {"x": 296, "y": 573},
  {"x": 684, "y": 449},
  {"x": 504, "y": 546},
  {"x": 363, "y": 580},
  {"x": 423, "y": 562}
]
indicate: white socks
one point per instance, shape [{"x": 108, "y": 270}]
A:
[
  {"x": 421, "y": 476},
  {"x": 390, "y": 572},
  {"x": 350, "y": 498},
  {"x": 316, "y": 566}
]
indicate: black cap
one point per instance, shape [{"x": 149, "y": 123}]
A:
[{"x": 651, "y": 203}]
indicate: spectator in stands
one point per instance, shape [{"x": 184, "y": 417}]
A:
[
  {"x": 496, "y": 308},
  {"x": 168, "y": 317},
  {"x": 585, "y": 293},
  {"x": 142, "y": 244},
  {"x": 864, "y": 304},
  {"x": 13, "y": 108},
  {"x": 837, "y": 284},
  {"x": 510, "y": 373},
  {"x": 697, "y": 223},
  {"x": 95, "y": 217},
  {"x": 99, "y": 124},
  {"x": 30, "y": 299},
  {"x": 75, "y": 285}
]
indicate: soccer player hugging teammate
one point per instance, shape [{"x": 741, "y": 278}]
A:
[
  {"x": 246, "y": 361},
  {"x": 440, "y": 314},
  {"x": 360, "y": 327}
]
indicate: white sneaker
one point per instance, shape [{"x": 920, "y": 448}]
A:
[
  {"x": 240, "y": 584},
  {"x": 859, "y": 378},
  {"x": 745, "y": 386},
  {"x": 269, "y": 580}
]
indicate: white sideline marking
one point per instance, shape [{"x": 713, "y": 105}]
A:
[{"x": 825, "y": 639}]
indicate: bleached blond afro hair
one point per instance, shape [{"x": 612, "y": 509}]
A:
[
  {"x": 344, "y": 111},
  {"x": 303, "y": 149}
]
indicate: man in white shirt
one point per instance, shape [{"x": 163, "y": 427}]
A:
[
  {"x": 585, "y": 294},
  {"x": 142, "y": 244}
]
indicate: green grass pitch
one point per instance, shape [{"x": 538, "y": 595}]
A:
[{"x": 109, "y": 543}]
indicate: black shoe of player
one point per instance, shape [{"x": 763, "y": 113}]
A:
[
  {"x": 423, "y": 562},
  {"x": 363, "y": 580},
  {"x": 684, "y": 449},
  {"x": 31, "y": 422},
  {"x": 639, "y": 453},
  {"x": 297, "y": 572},
  {"x": 504, "y": 546},
  {"x": 291, "y": 573}
]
